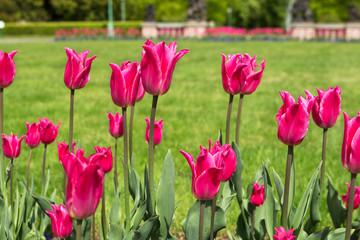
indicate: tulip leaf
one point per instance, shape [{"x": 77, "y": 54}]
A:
[
  {"x": 315, "y": 217},
  {"x": 337, "y": 234},
  {"x": 237, "y": 176},
  {"x": 86, "y": 228},
  {"x": 165, "y": 199},
  {"x": 138, "y": 216},
  {"x": 115, "y": 212},
  {"x": 319, "y": 235},
  {"x": 279, "y": 186},
  {"x": 336, "y": 209},
  {"x": 291, "y": 191},
  {"x": 144, "y": 231},
  {"x": 43, "y": 202},
  {"x": 147, "y": 195},
  {"x": 270, "y": 212},
  {"x": 135, "y": 184},
  {"x": 115, "y": 232},
  {"x": 227, "y": 195},
  {"x": 219, "y": 137},
  {"x": 191, "y": 223},
  {"x": 304, "y": 203}
]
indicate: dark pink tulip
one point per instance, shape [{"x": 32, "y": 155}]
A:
[
  {"x": 350, "y": 154},
  {"x": 77, "y": 69},
  {"x": 293, "y": 119},
  {"x": 141, "y": 92},
  {"x": 116, "y": 128},
  {"x": 32, "y": 138},
  {"x": 157, "y": 66},
  {"x": 103, "y": 156},
  {"x": 238, "y": 74},
  {"x": 326, "y": 108},
  {"x": 48, "y": 131},
  {"x": 7, "y": 68},
  {"x": 206, "y": 175},
  {"x": 158, "y": 127},
  {"x": 228, "y": 159},
  {"x": 258, "y": 195},
  {"x": 124, "y": 83},
  {"x": 61, "y": 221},
  {"x": 345, "y": 197},
  {"x": 63, "y": 149},
  {"x": 282, "y": 234},
  {"x": 11, "y": 145}
]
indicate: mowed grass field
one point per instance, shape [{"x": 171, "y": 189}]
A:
[{"x": 193, "y": 110}]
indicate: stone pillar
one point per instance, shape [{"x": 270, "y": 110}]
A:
[
  {"x": 195, "y": 29},
  {"x": 352, "y": 31},
  {"x": 303, "y": 30},
  {"x": 149, "y": 30}
]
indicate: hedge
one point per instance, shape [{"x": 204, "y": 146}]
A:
[{"x": 48, "y": 28}]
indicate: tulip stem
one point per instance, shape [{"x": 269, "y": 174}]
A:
[
  {"x": 201, "y": 221},
  {"x": 151, "y": 150},
  {"x": 78, "y": 229},
  {"x": 27, "y": 171},
  {"x": 322, "y": 175},
  {"x": 131, "y": 130},
  {"x": 213, "y": 208},
  {"x": 71, "y": 132},
  {"x": 3, "y": 168},
  {"x": 103, "y": 214},
  {"x": 126, "y": 173},
  {"x": 350, "y": 206},
  {"x": 43, "y": 170},
  {"x": 11, "y": 184},
  {"x": 116, "y": 183},
  {"x": 253, "y": 222},
  {"x": 238, "y": 119},
  {"x": 284, "y": 214},
  {"x": 228, "y": 118},
  {"x": 93, "y": 226}
]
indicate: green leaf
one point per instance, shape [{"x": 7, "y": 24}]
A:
[
  {"x": 145, "y": 230},
  {"x": 165, "y": 199},
  {"x": 191, "y": 223},
  {"x": 135, "y": 184},
  {"x": 237, "y": 176},
  {"x": 336, "y": 209},
  {"x": 115, "y": 212},
  {"x": 138, "y": 216},
  {"x": 315, "y": 216},
  {"x": 147, "y": 195},
  {"x": 219, "y": 137},
  {"x": 44, "y": 203},
  {"x": 319, "y": 235},
  {"x": 270, "y": 212},
  {"x": 279, "y": 186},
  {"x": 86, "y": 228},
  {"x": 291, "y": 191},
  {"x": 227, "y": 195},
  {"x": 115, "y": 232},
  {"x": 337, "y": 234}
]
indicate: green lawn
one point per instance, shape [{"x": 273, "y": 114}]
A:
[{"x": 193, "y": 110}]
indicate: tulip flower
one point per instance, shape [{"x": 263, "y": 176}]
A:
[
  {"x": 124, "y": 83},
  {"x": 157, "y": 66},
  {"x": 77, "y": 69},
  {"x": 63, "y": 149},
  {"x": 48, "y": 131},
  {"x": 11, "y": 145},
  {"x": 103, "y": 157},
  {"x": 32, "y": 138},
  {"x": 116, "y": 128},
  {"x": 228, "y": 159},
  {"x": 257, "y": 196},
  {"x": 350, "y": 154},
  {"x": 7, "y": 68},
  {"x": 158, "y": 127},
  {"x": 293, "y": 119},
  {"x": 61, "y": 221},
  {"x": 345, "y": 197},
  {"x": 326, "y": 108},
  {"x": 206, "y": 174},
  {"x": 282, "y": 234}
]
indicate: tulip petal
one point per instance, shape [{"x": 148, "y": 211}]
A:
[
  {"x": 117, "y": 85},
  {"x": 151, "y": 71},
  {"x": 207, "y": 184},
  {"x": 224, "y": 74},
  {"x": 236, "y": 80},
  {"x": 83, "y": 77},
  {"x": 253, "y": 80},
  {"x": 7, "y": 70},
  {"x": 329, "y": 108},
  {"x": 204, "y": 161},
  {"x": 354, "y": 163}
]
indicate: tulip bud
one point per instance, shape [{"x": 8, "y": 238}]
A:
[
  {"x": 32, "y": 138},
  {"x": 345, "y": 197},
  {"x": 282, "y": 234},
  {"x": 257, "y": 196},
  {"x": 48, "y": 131},
  {"x": 116, "y": 128},
  {"x": 158, "y": 127},
  {"x": 61, "y": 221},
  {"x": 11, "y": 145},
  {"x": 7, "y": 68}
]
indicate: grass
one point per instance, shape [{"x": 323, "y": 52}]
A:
[{"x": 193, "y": 110}]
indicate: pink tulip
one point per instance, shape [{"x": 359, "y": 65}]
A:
[
  {"x": 116, "y": 125},
  {"x": 293, "y": 119},
  {"x": 238, "y": 74},
  {"x": 282, "y": 234},
  {"x": 141, "y": 92},
  {"x": 85, "y": 184},
  {"x": 229, "y": 159},
  {"x": 61, "y": 221},
  {"x": 257, "y": 196},
  {"x": 124, "y": 83},
  {"x": 350, "y": 154},
  {"x": 206, "y": 174},
  {"x": 48, "y": 131},
  {"x": 77, "y": 69},
  {"x": 63, "y": 149},
  {"x": 103, "y": 156},
  {"x": 326, "y": 108},
  {"x": 11, "y": 145},
  {"x": 158, "y": 127},
  {"x": 32, "y": 138},
  {"x": 345, "y": 197},
  {"x": 7, "y": 68},
  {"x": 157, "y": 66}
]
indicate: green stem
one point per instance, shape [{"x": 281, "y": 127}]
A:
[
  {"x": 93, "y": 226},
  {"x": 151, "y": 150},
  {"x": 228, "y": 118},
  {"x": 213, "y": 208},
  {"x": 253, "y": 223},
  {"x": 350, "y": 207},
  {"x": 116, "y": 183},
  {"x": 322, "y": 174},
  {"x": 43, "y": 169},
  {"x": 238, "y": 119},
  {"x": 126, "y": 173},
  {"x": 11, "y": 184},
  {"x": 131, "y": 131},
  {"x": 3, "y": 168},
  {"x": 27, "y": 171},
  {"x": 78, "y": 229},
  {"x": 201, "y": 220},
  {"x": 71, "y": 132},
  {"x": 103, "y": 214},
  {"x": 284, "y": 214}
]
